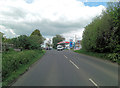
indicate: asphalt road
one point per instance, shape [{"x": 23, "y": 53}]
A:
[{"x": 67, "y": 68}]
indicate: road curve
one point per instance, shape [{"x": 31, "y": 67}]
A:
[{"x": 67, "y": 68}]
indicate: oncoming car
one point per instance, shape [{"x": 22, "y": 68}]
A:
[{"x": 59, "y": 48}]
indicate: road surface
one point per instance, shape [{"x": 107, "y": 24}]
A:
[{"x": 67, "y": 68}]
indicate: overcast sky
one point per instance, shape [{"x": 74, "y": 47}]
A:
[{"x": 51, "y": 17}]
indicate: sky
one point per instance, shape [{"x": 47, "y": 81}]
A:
[{"x": 65, "y": 17}]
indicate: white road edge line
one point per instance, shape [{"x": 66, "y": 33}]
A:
[
  {"x": 74, "y": 64},
  {"x": 93, "y": 82},
  {"x": 65, "y": 56}
]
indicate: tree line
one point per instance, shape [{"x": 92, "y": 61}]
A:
[
  {"x": 102, "y": 35},
  {"x": 12, "y": 61},
  {"x": 33, "y": 41}
]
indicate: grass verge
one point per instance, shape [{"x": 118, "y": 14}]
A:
[
  {"x": 16, "y": 63},
  {"x": 113, "y": 57},
  {"x": 0, "y": 69}
]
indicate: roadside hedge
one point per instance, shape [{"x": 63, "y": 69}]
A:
[
  {"x": 102, "y": 35},
  {"x": 12, "y": 61},
  {"x": 113, "y": 57}
]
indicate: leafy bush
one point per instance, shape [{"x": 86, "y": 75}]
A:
[
  {"x": 115, "y": 57},
  {"x": 23, "y": 42},
  {"x": 12, "y": 61},
  {"x": 103, "y": 34},
  {"x": 99, "y": 55}
]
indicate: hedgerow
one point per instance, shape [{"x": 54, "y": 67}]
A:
[
  {"x": 102, "y": 35},
  {"x": 12, "y": 61}
]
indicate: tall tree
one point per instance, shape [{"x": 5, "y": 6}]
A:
[
  {"x": 103, "y": 34},
  {"x": 114, "y": 11},
  {"x": 56, "y": 39},
  {"x": 36, "y": 39},
  {"x": 36, "y": 32}
]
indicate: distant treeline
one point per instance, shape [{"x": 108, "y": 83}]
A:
[
  {"x": 33, "y": 41},
  {"x": 102, "y": 35}
]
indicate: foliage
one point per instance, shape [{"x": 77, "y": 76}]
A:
[
  {"x": 12, "y": 61},
  {"x": 1, "y": 36},
  {"x": 56, "y": 39},
  {"x": 95, "y": 54},
  {"x": 114, "y": 11},
  {"x": 36, "y": 32},
  {"x": 36, "y": 39},
  {"x": 33, "y": 41},
  {"x": 21, "y": 42},
  {"x": 114, "y": 57},
  {"x": 12, "y": 75},
  {"x": 1, "y": 33},
  {"x": 103, "y": 34}
]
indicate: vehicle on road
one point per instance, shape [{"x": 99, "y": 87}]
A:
[{"x": 60, "y": 48}]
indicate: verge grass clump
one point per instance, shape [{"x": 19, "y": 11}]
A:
[{"x": 113, "y": 57}]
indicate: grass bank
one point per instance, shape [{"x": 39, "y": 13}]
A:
[
  {"x": 0, "y": 69},
  {"x": 15, "y": 64},
  {"x": 113, "y": 57}
]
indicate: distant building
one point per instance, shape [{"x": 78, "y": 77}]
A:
[{"x": 78, "y": 45}]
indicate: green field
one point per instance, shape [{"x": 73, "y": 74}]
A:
[{"x": 15, "y": 64}]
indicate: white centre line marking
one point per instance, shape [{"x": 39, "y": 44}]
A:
[
  {"x": 65, "y": 56},
  {"x": 93, "y": 83},
  {"x": 74, "y": 64}
]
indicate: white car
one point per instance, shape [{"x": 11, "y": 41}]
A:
[{"x": 59, "y": 48}]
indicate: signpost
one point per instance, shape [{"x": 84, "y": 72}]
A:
[
  {"x": 77, "y": 45},
  {"x": 71, "y": 43}
]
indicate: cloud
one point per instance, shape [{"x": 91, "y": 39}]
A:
[
  {"x": 51, "y": 17},
  {"x": 72, "y": 34},
  {"x": 7, "y": 31}
]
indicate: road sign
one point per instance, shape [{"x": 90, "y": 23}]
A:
[{"x": 71, "y": 43}]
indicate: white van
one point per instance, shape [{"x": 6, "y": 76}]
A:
[{"x": 59, "y": 47}]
